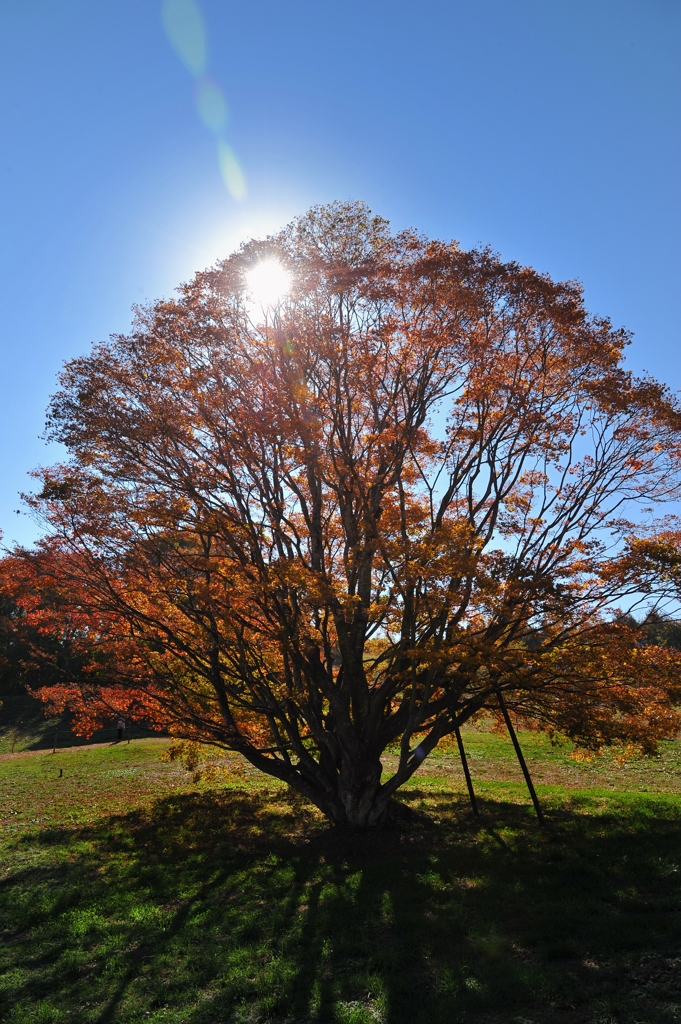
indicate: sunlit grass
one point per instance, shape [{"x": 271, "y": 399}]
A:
[{"x": 130, "y": 894}]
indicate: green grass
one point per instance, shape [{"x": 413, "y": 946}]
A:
[{"x": 127, "y": 893}]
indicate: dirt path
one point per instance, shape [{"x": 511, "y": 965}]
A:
[{"x": 84, "y": 746}]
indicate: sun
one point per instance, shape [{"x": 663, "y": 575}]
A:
[{"x": 268, "y": 282}]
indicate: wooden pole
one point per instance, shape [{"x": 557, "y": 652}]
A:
[
  {"x": 464, "y": 763},
  {"x": 56, "y": 733},
  {"x": 521, "y": 759}
]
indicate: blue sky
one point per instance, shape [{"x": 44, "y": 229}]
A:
[{"x": 546, "y": 128}]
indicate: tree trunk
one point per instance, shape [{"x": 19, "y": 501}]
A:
[{"x": 359, "y": 801}]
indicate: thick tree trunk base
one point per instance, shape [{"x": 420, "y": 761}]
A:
[
  {"x": 394, "y": 815},
  {"x": 362, "y": 807}
]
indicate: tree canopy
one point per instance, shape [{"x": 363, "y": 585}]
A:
[{"x": 351, "y": 518}]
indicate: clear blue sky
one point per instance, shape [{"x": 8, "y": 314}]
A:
[{"x": 547, "y": 128}]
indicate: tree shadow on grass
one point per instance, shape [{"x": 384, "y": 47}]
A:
[{"x": 244, "y": 906}]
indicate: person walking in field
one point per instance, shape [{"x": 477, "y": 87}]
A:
[{"x": 121, "y": 728}]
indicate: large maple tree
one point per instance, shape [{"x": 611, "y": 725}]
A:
[{"x": 353, "y": 517}]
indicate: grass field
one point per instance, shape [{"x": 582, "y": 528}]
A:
[{"x": 128, "y": 893}]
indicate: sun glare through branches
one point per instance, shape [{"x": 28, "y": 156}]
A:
[{"x": 268, "y": 282}]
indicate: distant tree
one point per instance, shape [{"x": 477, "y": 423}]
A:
[
  {"x": 655, "y": 628},
  {"x": 38, "y": 633},
  {"x": 352, "y": 517},
  {"x": 64, "y": 649}
]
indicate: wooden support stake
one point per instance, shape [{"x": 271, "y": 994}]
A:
[
  {"x": 521, "y": 759},
  {"x": 464, "y": 763}
]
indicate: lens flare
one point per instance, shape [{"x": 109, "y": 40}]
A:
[
  {"x": 231, "y": 172},
  {"x": 211, "y": 105},
  {"x": 268, "y": 282},
  {"x": 184, "y": 27}
]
